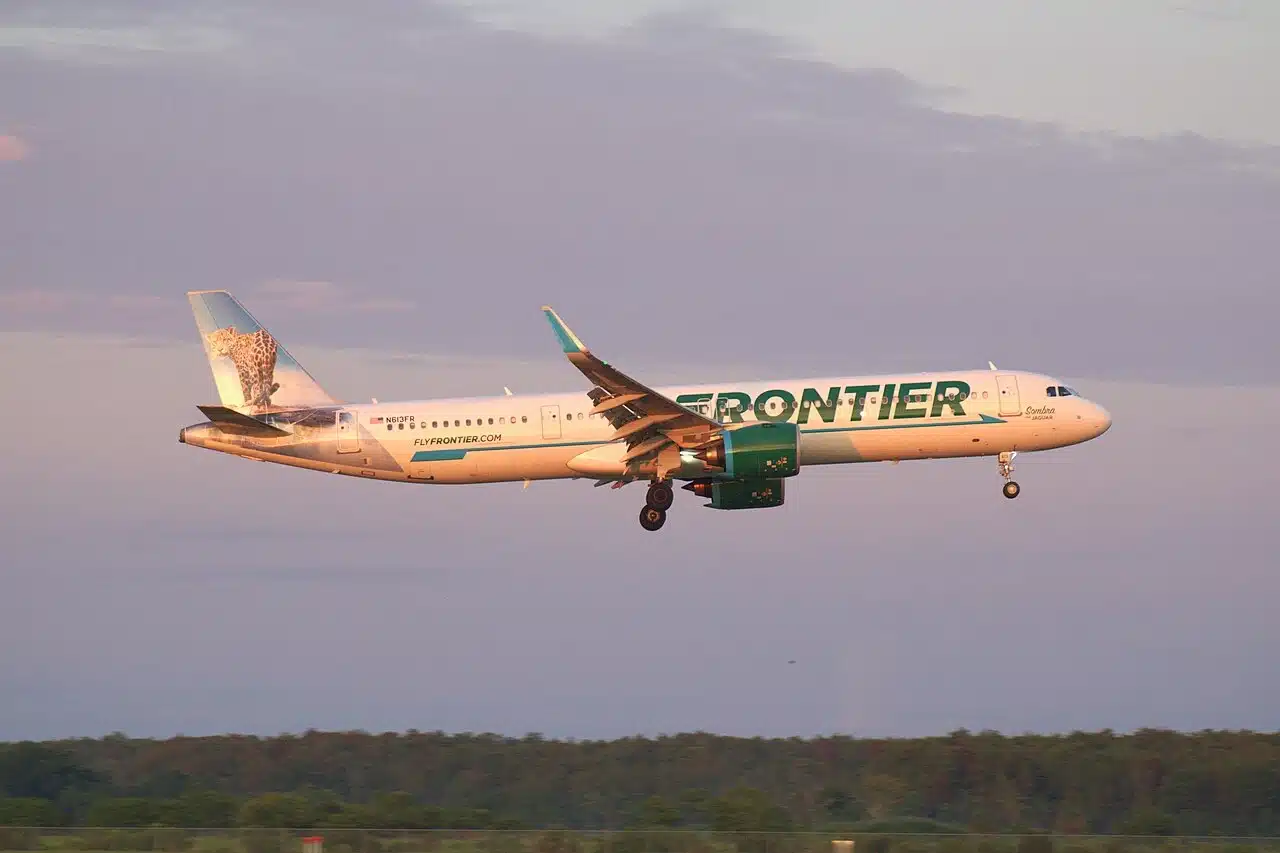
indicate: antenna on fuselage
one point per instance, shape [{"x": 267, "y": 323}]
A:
[
  {"x": 992, "y": 365},
  {"x": 508, "y": 390}
]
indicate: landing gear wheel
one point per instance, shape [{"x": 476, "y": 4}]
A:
[
  {"x": 660, "y": 496},
  {"x": 1011, "y": 488},
  {"x": 652, "y": 519}
]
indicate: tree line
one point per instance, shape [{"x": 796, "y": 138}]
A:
[{"x": 1151, "y": 782}]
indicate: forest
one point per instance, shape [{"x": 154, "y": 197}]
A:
[{"x": 1150, "y": 782}]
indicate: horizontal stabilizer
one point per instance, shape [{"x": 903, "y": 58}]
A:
[
  {"x": 229, "y": 420},
  {"x": 252, "y": 370}
]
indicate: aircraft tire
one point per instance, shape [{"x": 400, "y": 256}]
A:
[
  {"x": 652, "y": 519},
  {"x": 1011, "y": 490},
  {"x": 661, "y": 496}
]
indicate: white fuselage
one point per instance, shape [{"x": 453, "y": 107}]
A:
[{"x": 539, "y": 437}]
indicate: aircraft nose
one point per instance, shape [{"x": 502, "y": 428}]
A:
[{"x": 1102, "y": 418}]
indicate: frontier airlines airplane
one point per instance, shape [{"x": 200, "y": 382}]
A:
[{"x": 734, "y": 443}]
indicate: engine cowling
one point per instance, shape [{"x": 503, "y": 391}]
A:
[
  {"x": 754, "y": 493},
  {"x": 759, "y": 451}
]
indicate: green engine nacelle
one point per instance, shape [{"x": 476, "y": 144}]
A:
[
  {"x": 746, "y": 494},
  {"x": 759, "y": 451}
]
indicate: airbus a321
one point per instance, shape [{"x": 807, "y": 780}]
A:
[{"x": 735, "y": 444}]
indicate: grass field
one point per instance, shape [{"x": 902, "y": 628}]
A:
[{"x": 170, "y": 840}]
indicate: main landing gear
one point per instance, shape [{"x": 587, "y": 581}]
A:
[
  {"x": 1011, "y": 488},
  {"x": 656, "y": 504}
]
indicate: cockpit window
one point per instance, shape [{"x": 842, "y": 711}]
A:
[
  {"x": 1051, "y": 391},
  {"x": 1063, "y": 391}
]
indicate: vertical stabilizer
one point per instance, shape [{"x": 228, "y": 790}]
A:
[{"x": 253, "y": 372}]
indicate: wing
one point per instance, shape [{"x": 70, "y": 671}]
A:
[{"x": 655, "y": 428}]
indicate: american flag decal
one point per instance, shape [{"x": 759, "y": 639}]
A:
[{"x": 375, "y": 420}]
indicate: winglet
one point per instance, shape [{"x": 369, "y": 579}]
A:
[{"x": 569, "y": 342}]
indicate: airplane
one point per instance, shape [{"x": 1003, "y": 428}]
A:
[{"x": 735, "y": 444}]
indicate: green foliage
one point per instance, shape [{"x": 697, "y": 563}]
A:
[
  {"x": 200, "y": 808},
  {"x": 906, "y": 826},
  {"x": 31, "y": 770},
  {"x": 123, "y": 812},
  {"x": 1151, "y": 783},
  {"x": 658, "y": 812},
  {"x": 1149, "y": 821},
  {"x": 748, "y": 810},
  {"x": 29, "y": 811}
]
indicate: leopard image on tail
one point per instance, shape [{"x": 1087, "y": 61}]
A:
[{"x": 254, "y": 355}]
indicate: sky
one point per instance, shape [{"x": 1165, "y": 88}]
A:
[{"x": 704, "y": 193}]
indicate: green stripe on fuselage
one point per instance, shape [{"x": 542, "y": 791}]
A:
[{"x": 982, "y": 419}]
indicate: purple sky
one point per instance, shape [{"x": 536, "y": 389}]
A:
[{"x": 395, "y": 196}]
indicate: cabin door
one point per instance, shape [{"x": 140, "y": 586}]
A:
[
  {"x": 348, "y": 433},
  {"x": 1007, "y": 384},
  {"x": 550, "y": 421}
]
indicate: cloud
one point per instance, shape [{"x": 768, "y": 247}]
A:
[
  {"x": 37, "y": 301},
  {"x": 13, "y": 148},
  {"x": 49, "y": 301},
  {"x": 787, "y": 211}
]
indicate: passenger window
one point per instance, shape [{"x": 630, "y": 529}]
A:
[
  {"x": 502, "y": 420},
  {"x": 433, "y": 424},
  {"x": 490, "y": 421},
  {"x": 390, "y": 427},
  {"x": 524, "y": 419},
  {"x": 457, "y": 422}
]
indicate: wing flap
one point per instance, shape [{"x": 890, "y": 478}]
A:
[
  {"x": 642, "y": 425},
  {"x": 645, "y": 448}
]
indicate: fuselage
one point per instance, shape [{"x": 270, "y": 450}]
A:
[{"x": 553, "y": 436}]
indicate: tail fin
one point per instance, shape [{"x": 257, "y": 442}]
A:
[{"x": 253, "y": 372}]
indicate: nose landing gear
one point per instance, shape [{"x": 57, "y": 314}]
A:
[
  {"x": 657, "y": 502},
  {"x": 1011, "y": 488}
]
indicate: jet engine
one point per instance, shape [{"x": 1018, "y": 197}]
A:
[
  {"x": 758, "y": 451},
  {"x": 754, "y": 493}
]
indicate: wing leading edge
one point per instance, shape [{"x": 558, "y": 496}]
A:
[{"x": 655, "y": 428}]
